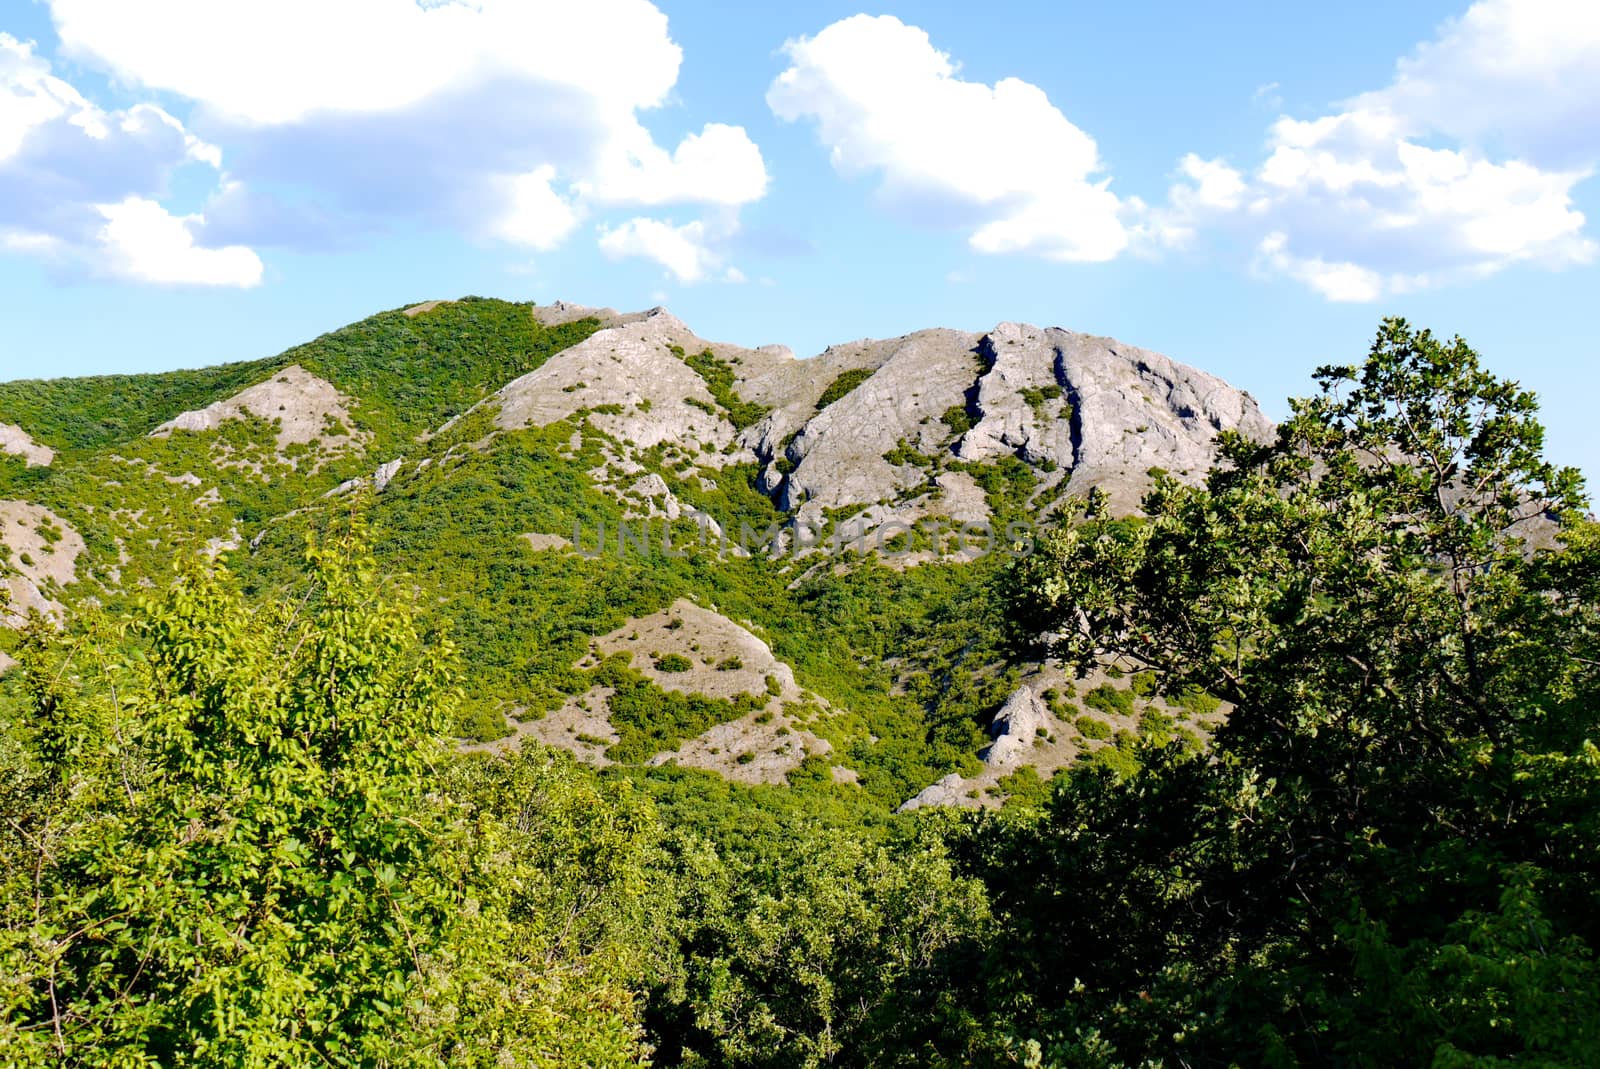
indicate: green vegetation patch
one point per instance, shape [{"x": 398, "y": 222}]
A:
[
  {"x": 842, "y": 385},
  {"x": 719, "y": 379}
]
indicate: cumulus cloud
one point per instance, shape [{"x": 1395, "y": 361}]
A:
[
  {"x": 886, "y": 102},
  {"x": 144, "y": 242},
  {"x": 1358, "y": 204},
  {"x": 511, "y": 120},
  {"x": 1520, "y": 75},
  {"x": 79, "y": 185},
  {"x": 690, "y": 251}
]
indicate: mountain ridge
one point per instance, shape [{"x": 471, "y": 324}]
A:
[{"x": 477, "y": 435}]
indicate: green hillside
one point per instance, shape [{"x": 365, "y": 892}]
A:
[{"x": 333, "y": 737}]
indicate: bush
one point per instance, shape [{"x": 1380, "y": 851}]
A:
[
  {"x": 1197, "y": 702},
  {"x": 1091, "y": 728},
  {"x": 1110, "y": 700},
  {"x": 673, "y": 662},
  {"x": 843, "y": 385},
  {"x": 956, "y": 418}
]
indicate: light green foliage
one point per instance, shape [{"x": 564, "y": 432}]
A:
[
  {"x": 1024, "y": 787},
  {"x": 1196, "y": 702},
  {"x": 1110, "y": 699},
  {"x": 1091, "y": 727},
  {"x": 1036, "y": 399},
  {"x": 229, "y": 848},
  {"x": 571, "y": 869},
  {"x": 237, "y": 860}
]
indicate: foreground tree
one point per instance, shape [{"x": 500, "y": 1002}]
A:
[
  {"x": 1389, "y": 854},
  {"x": 230, "y": 846}
]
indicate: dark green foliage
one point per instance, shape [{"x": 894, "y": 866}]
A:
[
  {"x": 649, "y": 719},
  {"x": 957, "y": 418},
  {"x": 100, "y": 410},
  {"x": 410, "y": 374},
  {"x": 1196, "y": 702},
  {"x": 1037, "y": 397},
  {"x": 1008, "y": 483},
  {"x": 719, "y": 380},
  {"x": 1387, "y": 857},
  {"x": 842, "y": 385}
]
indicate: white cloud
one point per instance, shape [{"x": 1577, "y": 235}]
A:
[
  {"x": 683, "y": 250},
  {"x": 886, "y": 102},
  {"x": 1520, "y": 74},
  {"x": 505, "y": 119},
  {"x": 143, "y": 242},
  {"x": 78, "y": 184},
  {"x": 370, "y": 56},
  {"x": 536, "y": 215},
  {"x": 1365, "y": 202},
  {"x": 720, "y": 165}
]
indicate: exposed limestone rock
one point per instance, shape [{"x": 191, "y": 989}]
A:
[
  {"x": 762, "y": 746},
  {"x": 18, "y": 442},
  {"x": 386, "y": 472},
  {"x": 554, "y": 315},
  {"x": 1088, "y": 410},
  {"x": 1084, "y": 411},
  {"x": 40, "y": 556},
  {"x": 426, "y": 306},
  {"x": 838, "y": 455},
  {"x": 575, "y": 727},
  {"x": 1122, "y": 410},
  {"x": 380, "y": 478},
  {"x": 1020, "y": 720},
  {"x": 542, "y": 542},
  {"x": 7, "y": 662},
  {"x": 305, "y": 408},
  {"x": 632, "y": 368},
  {"x": 949, "y": 791},
  {"x": 707, "y": 639},
  {"x": 774, "y": 748}
]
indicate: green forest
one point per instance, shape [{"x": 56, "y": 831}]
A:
[{"x": 239, "y": 829}]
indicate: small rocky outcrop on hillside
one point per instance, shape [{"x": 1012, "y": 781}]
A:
[
  {"x": 39, "y": 555},
  {"x": 18, "y": 442},
  {"x": 305, "y": 410}
]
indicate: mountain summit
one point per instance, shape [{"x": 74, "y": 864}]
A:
[{"x": 536, "y": 472}]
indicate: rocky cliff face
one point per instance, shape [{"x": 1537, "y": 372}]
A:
[{"x": 872, "y": 426}]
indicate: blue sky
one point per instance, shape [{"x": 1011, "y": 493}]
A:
[{"x": 1248, "y": 187}]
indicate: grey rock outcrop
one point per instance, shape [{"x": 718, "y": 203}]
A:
[
  {"x": 18, "y": 442},
  {"x": 1084, "y": 410},
  {"x": 633, "y": 385},
  {"x": 1018, "y": 722},
  {"x": 950, "y": 791},
  {"x": 899, "y": 446}
]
